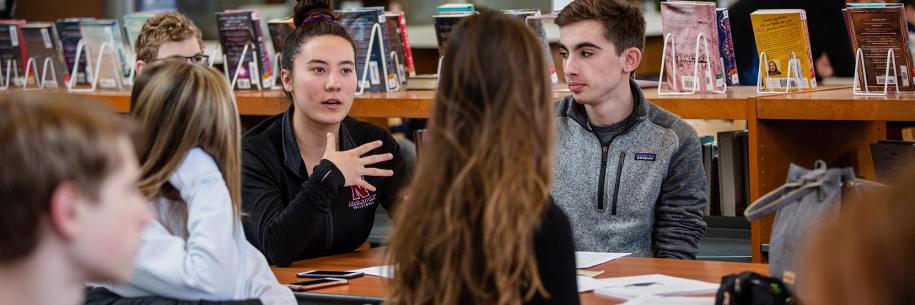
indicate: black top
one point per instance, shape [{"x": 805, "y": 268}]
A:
[
  {"x": 556, "y": 259},
  {"x": 294, "y": 215}
]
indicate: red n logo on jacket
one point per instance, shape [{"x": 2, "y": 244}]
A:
[{"x": 359, "y": 192}]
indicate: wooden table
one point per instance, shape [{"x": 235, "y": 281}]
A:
[{"x": 372, "y": 289}]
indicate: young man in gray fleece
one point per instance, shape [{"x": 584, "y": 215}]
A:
[{"x": 628, "y": 173}]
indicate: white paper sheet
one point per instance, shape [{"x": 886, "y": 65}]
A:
[
  {"x": 586, "y": 284},
  {"x": 662, "y": 300},
  {"x": 383, "y": 271},
  {"x": 653, "y": 284},
  {"x": 585, "y": 260}
]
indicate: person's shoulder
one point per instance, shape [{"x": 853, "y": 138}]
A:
[
  {"x": 561, "y": 107},
  {"x": 555, "y": 220},
  {"x": 264, "y": 134},
  {"x": 667, "y": 120}
]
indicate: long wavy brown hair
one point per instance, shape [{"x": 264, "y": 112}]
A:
[
  {"x": 180, "y": 106},
  {"x": 464, "y": 231}
]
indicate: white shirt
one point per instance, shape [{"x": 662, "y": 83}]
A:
[{"x": 206, "y": 257}]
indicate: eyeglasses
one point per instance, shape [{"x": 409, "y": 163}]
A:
[{"x": 196, "y": 59}]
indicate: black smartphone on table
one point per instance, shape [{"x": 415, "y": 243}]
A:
[{"x": 329, "y": 274}]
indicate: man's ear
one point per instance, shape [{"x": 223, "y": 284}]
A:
[
  {"x": 631, "y": 58},
  {"x": 286, "y": 78},
  {"x": 139, "y": 66},
  {"x": 64, "y": 210}
]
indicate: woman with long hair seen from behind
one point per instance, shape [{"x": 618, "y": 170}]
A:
[
  {"x": 189, "y": 150},
  {"x": 477, "y": 224}
]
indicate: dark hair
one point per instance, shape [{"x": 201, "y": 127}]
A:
[
  {"x": 623, "y": 23},
  {"x": 305, "y": 31},
  {"x": 43, "y": 144},
  {"x": 497, "y": 175}
]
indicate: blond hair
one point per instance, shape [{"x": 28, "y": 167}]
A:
[
  {"x": 464, "y": 232},
  {"x": 162, "y": 28},
  {"x": 180, "y": 106},
  {"x": 47, "y": 140}
]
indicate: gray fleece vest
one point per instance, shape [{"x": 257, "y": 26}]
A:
[{"x": 643, "y": 193}]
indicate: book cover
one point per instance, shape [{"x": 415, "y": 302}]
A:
[
  {"x": 455, "y": 8},
  {"x": 875, "y": 31},
  {"x": 70, "y": 35},
  {"x": 710, "y": 167},
  {"x": 444, "y": 25},
  {"x": 279, "y": 30},
  {"x": 847, "y": 26},
  {"x": 408, "y": 53},
  {"x": 536, "y": 24},
  {"x": 395, "y": 38},
  {"x": 238, "y": 29},
  {"x": 522, "y": 14},
  {"x": 892, "y": 158},
  {"x": 133, "y": 24},
  {"x": 359, "y": 23},
  {"x": 779, "y": 33},
  {"x": 12, "y": 52},
  {"x": 733, "y": 173},
  {"x": 114, "y": 68},
  {"x": 264, "y": 63},
  {"x": 726, "y": 48},
  {"x": 685, "y": 21},
  {"x": 42, "y": 44}
]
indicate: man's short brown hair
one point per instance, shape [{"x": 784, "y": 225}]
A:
[
  {"x": 47, "y": 140},
  {"x": 162, "y": 28},
  {"x": 623, "y": 23}
]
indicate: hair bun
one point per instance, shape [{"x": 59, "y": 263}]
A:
[{"x": 306, "y": 8}]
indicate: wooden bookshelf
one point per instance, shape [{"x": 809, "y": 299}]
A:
[
  {"x": 734, "y": 104},
  {"x": 827, "y": 123},
  {"x": 837, "y": 105},
  {"x": 405, "y": 104}
]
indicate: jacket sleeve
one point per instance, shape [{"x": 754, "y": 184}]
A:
[
  {"x": 281, "y": 230},
  {"x": 194, "y": 268},
  {"x": 394, "y": 184},
  {"x": 679, "y": 224}
]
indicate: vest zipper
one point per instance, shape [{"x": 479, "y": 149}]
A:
[
  {"x": 616, "y": 188},
  {"x": 602, "y": 180}
]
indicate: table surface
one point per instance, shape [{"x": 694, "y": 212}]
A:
[{"x": 371, "y": 286}]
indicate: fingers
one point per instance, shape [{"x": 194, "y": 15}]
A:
[
  {"x": 363, "y": 184},
  {"x": 375, "y": 159},
  {"x": 377, "y": 172},
  {"x": 331, "y": 145},
  {"x": 365, "y": 148}
]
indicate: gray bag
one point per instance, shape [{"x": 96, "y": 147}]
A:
[{"x": 808, "y": 198}]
